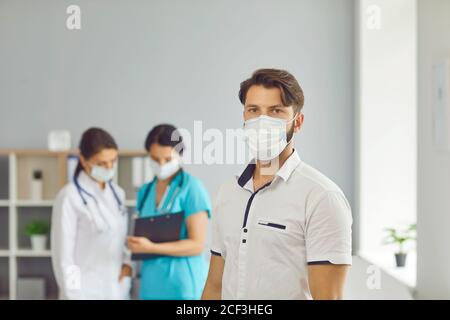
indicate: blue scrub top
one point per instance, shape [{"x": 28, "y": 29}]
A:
[{"x": 175, "y": 278}]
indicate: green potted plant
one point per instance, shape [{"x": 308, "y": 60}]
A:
[
  {"x": 38, "y": 231},
  {"x": 400, "y": 237}
]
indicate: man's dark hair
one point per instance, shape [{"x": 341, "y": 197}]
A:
[{"x": 291, "y": 92}]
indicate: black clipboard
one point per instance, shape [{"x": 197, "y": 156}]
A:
[{"x": 161, "y": 228}]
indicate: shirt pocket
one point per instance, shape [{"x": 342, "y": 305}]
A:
[
  {"x": 278, "y": 243},
  {"x": 272, "y": 225},
  {"x": 284, "y": 228}
]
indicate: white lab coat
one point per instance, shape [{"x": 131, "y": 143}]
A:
[{"x": 88, "y": 251}]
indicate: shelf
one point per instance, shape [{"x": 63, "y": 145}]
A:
[
  {"x": 46, "y": 152},
  {"x": 4, "y": 278},
  {"x": 26, "y": 215},
  {"x": 53, "y": 171},
  {"x": 4, "y": 203},
  {"x": 4, "y": 178},
  {"x": 133, "y": 171},
  {"x": 17, "y": 210},
  {"x": 124, "y": 179},
  {"x": 4, "y": 253},
  {"x": 35, "y": 152},
  {"x": 28, "y": 253},
  {"x": 132, "y": 153},
  {"x": 34, "y": 203},
  {"x": 4, "y": 228},
  {"x": 38, "y": 268}
]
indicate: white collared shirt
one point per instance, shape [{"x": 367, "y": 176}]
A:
[{"x": 268, "y": 237}]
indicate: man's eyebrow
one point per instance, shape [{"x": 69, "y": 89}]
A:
[{"x": 270, "y": 107}]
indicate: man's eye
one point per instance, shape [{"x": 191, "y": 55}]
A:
[{"x": 251, "y": 110}]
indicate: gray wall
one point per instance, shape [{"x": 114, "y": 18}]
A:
[
  {"x": 138, "y": 63},
  {"x": 433, "y": 218}
]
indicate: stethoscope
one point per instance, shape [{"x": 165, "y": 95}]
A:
[
  {"x": 120, "y": 205},
  {"x": 169, "y": 205}
]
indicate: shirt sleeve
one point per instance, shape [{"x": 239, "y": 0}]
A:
[
  {"x": 63, "y": 238},
  {"x": 328, "y": 231},
  {"x": 197, "y": 199}
]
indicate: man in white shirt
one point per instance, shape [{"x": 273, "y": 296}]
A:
[{"x": 281, "y": 229}]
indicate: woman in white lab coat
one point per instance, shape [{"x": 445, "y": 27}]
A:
[{"x": 90, "y": 224}]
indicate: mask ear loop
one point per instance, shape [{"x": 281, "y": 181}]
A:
[{"x": 293, "y": 119}]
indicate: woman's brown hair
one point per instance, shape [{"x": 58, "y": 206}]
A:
[{"x": 92, "y": 142}]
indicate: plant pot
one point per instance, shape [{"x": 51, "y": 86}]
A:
[
  {"x": 39, "y": 242},
  {"x": 400, "y": 259}
]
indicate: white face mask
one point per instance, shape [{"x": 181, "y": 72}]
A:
[
  {"x": 102, "y": 174},
  {"x": 266, "y": 137},
  {"x": 166, "y": 170}
]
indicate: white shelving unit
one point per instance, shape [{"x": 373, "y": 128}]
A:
[
  {"x": 17, "y": 259},
  {"x": 4, "y": 203},
  {"x": 34, "y": 203},
  {"x": 26, "y": 253}
]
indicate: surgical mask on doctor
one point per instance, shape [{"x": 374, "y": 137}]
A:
[
  {"x": 266, "y": 136},
  {"x": 102, "y": 174},
  {"x": 166, "y": 170}
]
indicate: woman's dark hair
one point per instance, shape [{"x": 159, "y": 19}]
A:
[
  {"x": 92, "y": 142},
  {"x": 165, "y": 135}
]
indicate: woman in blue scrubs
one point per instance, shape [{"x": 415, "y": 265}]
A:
[{"x": 180, "y": 273}]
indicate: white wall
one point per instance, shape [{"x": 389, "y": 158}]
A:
[
  {"x": 386, "y": 119},
  {"x": 359, "y": 275},
  {"x": 138, "y": 63},
  {"x": 433, "y": 219}
]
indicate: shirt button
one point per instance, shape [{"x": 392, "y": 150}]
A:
[
  {"x": 244, "y": 241},
  {"x": 245, "y": 230}
]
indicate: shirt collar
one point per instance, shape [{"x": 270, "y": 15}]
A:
[
  {"x": 289, "y": 166},
  {"x": 284, "y": 172}
]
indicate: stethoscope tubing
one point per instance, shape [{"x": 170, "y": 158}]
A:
[{"x": 82, "y": 191}]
